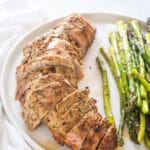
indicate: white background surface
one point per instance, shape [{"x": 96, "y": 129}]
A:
[
  {"x": 18, "y": 16},
  {"x": 55, "y": 8}
]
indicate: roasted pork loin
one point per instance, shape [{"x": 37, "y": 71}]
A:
[{"x": 47, "y": 80}]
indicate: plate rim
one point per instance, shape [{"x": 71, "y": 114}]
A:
[{"x": 22, "y": 133}]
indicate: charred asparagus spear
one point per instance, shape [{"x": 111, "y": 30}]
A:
[
  {"x": 141, "y": 46},
  {"x": 122, "y": 29},
  {"x": 106, "y": 92},
  {"x": 131, "y": 109},
  {"x": 122, "y": 80},
  {"x": 135, "y": 58},
  {"x": 115, "y": 71},
  {"x": 141, "y": 49}
]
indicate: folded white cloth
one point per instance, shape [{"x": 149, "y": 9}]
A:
[{"x": 11, "y": 29}]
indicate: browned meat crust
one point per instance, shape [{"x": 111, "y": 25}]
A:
[
  {"x": 109, "y": 142},
  {"x": 95, "y": 135},
  {"x": 79, "y": 132}
]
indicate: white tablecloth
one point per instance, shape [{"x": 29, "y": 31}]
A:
[{"x": 19, "y": 16}]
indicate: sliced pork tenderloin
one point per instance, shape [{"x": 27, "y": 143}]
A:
[
  {"x": 40, "y": 81},
  {"x": 45, "y": 65},
  {"x": 40, "y": 101},
  {"x": 95, "y": 135},
  {"x": 76, "y": 136},
  {"x": 60, "y": 125},
  {"x": 109, "y": 142}
]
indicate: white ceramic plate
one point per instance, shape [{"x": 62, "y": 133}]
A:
[{"x": 42, "y": 138}]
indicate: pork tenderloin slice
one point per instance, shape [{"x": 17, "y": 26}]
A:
[
  {"x": 77, "y": 21},
  {"x": 65, "y": 53},
  {"x": 60, "y": 32},
  {"x": 57, "y": 43},
  {"x": 55, "y": 47},
  {"x": 109, "y": 142},
  {"x": 46, "y": 61},
  {"x": 43, "y": 99},
  {"x": 69, "y": 100},
  {"x": 38, "y": 82},
  {"x": 76, "y": 36},
  {"x": 38, "y": 44},
  {"x": 81, "y": 23},
  {"x": 49, "y": 64},
  {"x": 76, "y": 136},
  {"x": 68, "y": 74},
  {"x": 95, "y": 135},
  {"x": 61, "y": 125},
  {"x": 36, "y": 64},
  {"x": 88, "y": 27}
]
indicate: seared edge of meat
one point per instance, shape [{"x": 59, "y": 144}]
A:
[
  {"x": 95, "y": 135},
  {"x": 79, "y": 132},
  {"x": 109, "y": 142}
]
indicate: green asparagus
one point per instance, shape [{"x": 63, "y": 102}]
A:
[
  {"x": 136, "y": 28},
  {"x": 131, "y": 116},
  {"x": 142, "y": 128},
  {"x": 147, "y": 140},
  {"x": 122, "y": 29},
  {"x": 129, "y": 61},
  {"x": 116, "y": 74},
  {"x": 106, "y": 92},
  {"x": 142, "y": 79}
]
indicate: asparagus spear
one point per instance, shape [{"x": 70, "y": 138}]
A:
[
  {"x": 122, "y": 97},
  {"x": 145, "y": 107},
  {"x": 116, "y": 66},
  {"x": 142, "y": 128},
  {"x": 147, "y": 140},
  {"x": 122, "y": 29},
  {"x": 148, "y": 24},
  {"x": 106, "y": 92},
  {"x": 132, "y": 41},
  {"x": 142, "y": 79},
  {"x": 148, "y": 44},
  {"x": 116, "y": 75},
  {"x": 116, "y": 54},
  {"x": 131, "y": 116},
  {"x": 135, "y": 57},
  {"x": 136, "y": 29},
  {"x": 140, "y": 43},
  {"x": 109, "y": 61},
  {"x": 142, "y": 72},
  {"x": 135, "y": 25}
]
